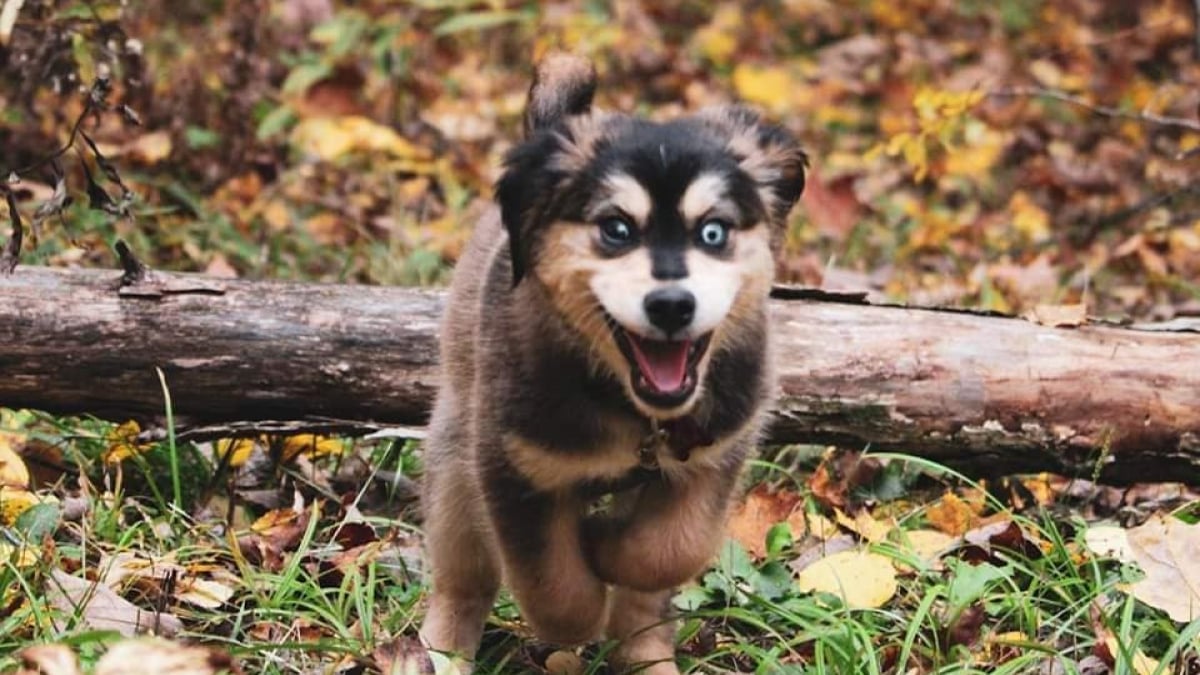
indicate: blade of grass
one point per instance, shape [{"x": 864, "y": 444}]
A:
[{"x": 172, "y": 448}]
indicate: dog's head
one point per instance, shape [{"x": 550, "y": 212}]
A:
[{"x": 651, "y": 239}]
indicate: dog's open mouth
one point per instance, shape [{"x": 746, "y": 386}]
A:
[{"x": 664, "y": 371}]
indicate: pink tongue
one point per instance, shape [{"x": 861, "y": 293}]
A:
[{"x": 663, "y": 363}]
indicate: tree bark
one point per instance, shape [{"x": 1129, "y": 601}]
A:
[{"x": 982, "y": 394}]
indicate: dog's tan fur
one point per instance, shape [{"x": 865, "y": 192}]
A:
[{"x": 526, "y": 341}]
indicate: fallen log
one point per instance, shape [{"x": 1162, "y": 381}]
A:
[{"x": 982, "y": 394}]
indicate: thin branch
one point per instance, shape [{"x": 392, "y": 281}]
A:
[
  {"x": 1106, "y": 111},
  {"x": 12, "y": 250},
  {"x": 135, "y": 270}
]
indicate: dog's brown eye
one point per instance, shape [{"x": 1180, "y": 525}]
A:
[
  {"x": 713, "y": 234},
  {"x": 616, "y": 232}
]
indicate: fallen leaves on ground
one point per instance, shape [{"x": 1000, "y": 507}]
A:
[
  {"x": 762, "y": 509},
  {"x": 98, "y": 607},
  {"x": 1168, "y": 551},
  {"x": 273, "y": 536},
  {"x": 143, "y": 656},
  {"x": 862, "y": 579}
]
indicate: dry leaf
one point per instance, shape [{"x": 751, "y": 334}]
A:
[
  {"x": 274, "y": 534},
  {"x": 311, "y": 445},
  {"x": 14, "y": 502},
  {"x": 100, "y": 608},
  {"x": 1058, "y": 316},
  {"x": 149, "y": 149},
  {"x": 862, "y": 579},
  {"x": 331, "y": 138},
  {"x": 952, "y": 515},
  {"x": 123, "y": 443},
  {"x": 770, "y": 87},
  {"x": 49, "y": 660},
  {"x": 865, "y": 525},
  {"x": 1168, "y": 551},
  {"x": 204, "y": 593},
  {"x": 19, "y": 556},
  {"x": 758, "y": 513},
  {"x": 820, "y": 527},
  {"x": 126, "y": 564},
  {"x": 152, "y": 656},
  {"x": 1109, "y": 541},
  {"x": 925, "y": 545},
  {"x": 13, "y": 472},
  {"x": 238, "y": 450},
  {"x": 1142, "y": 664},
  {"x": 983, "y": 542}
]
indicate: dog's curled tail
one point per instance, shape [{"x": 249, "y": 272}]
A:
[{"x": 563, "y": 85}]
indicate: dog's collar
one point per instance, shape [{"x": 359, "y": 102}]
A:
[{"x": 678, "y": 436}]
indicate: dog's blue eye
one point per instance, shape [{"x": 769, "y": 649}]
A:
[
  {"x": 713, "y": 234},
  {"x": 616, "y": 232}
]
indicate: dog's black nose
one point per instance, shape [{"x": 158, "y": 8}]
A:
[{"x": 670, "y": 309}]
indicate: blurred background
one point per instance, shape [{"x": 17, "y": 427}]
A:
[{"x": 995, "y": 154}]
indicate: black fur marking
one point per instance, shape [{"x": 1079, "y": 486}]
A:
[
  {"x": 665, "y": 158},
  {"x": 735, "y": 385},
  {"x": 667, "y": 262},
  {"x": 520, "y": 512}
]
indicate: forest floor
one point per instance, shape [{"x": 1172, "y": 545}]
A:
[{"x": 993, "y": 155}]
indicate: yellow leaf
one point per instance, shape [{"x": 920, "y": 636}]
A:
[
  {"x": 277, "y": 215},
  {"x": 122, "y": 443},
  {"x": 238, "y": 450},
  {"x": 770, "y": 87},
  {"x": 952, "y": 515},
  {"x": 819, "y": 526},
  {"x": 14, "y": 502},
  {"x": 13, "y": 472},
  {"x": 925, "y": 545},
  {"x": 718, "y": 40},
  {"x": 862, "y": 579},
  {"x": 331, "y": 138},
  {"x": 204, "y": 593},
  {"x": 1142, "y": 664},
  {"x": 18, "y": 556},
  {"x": 978, "y": 155},
  {"x": 312, "y": 445},
  {"x": 865, "y": 525},
  {"x": 1028, "y": 218}
]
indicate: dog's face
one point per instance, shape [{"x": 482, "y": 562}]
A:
[{"x": 651, "y": 239}]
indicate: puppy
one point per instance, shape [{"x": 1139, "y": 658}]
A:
[{"x": 607, "y": 334}]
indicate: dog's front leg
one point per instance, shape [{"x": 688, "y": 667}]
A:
[
  {"x": 672, "y": 533},
  {"x": 539, "y": 537},
  {"x": 642, "y": 625}
]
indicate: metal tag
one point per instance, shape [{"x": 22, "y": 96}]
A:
[{"x": 653, "y": 443}]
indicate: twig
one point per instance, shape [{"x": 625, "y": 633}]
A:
[
  {"x": 1106, "y": 111},
  {"x": 12, "y": 250},
  {"x": 135, "y": 270}
]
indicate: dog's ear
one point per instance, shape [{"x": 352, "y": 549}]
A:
[
  {"x": 766, "y": 152},
  {"x": 522, "y": 193},
  {"x": 563, "y": 85}
]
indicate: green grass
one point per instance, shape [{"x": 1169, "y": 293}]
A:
[{"x": 744, "y": 615}]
